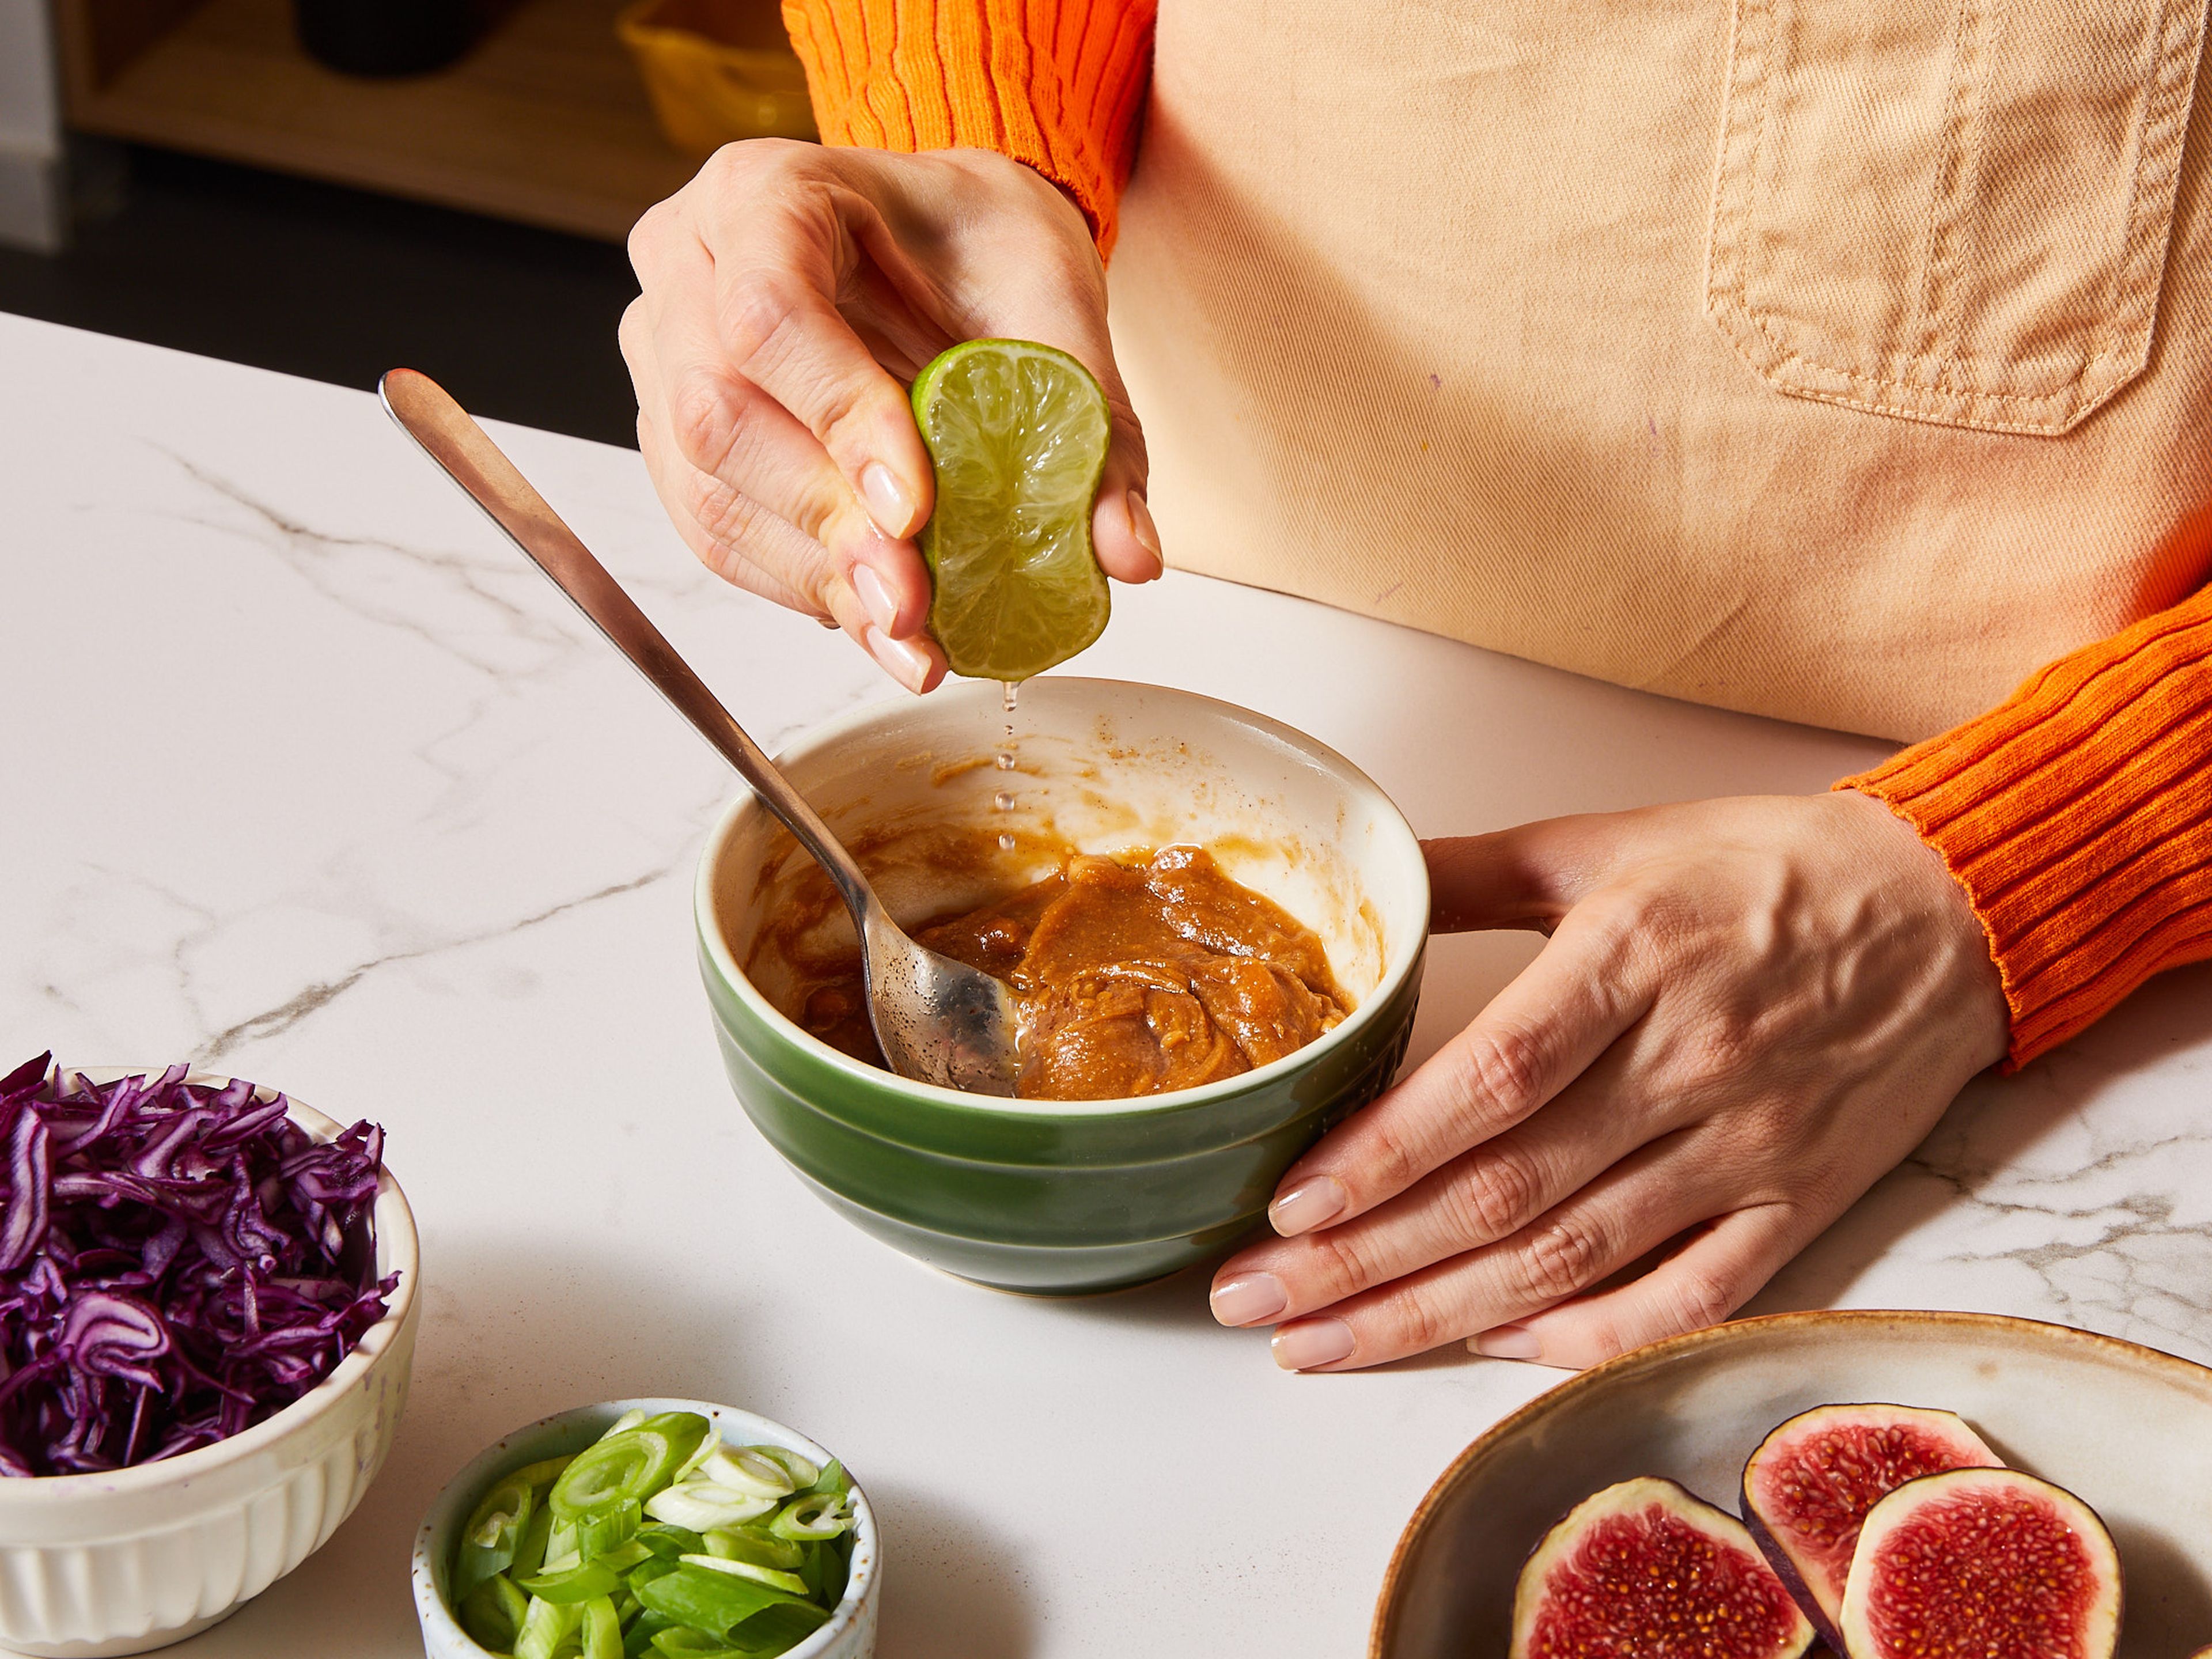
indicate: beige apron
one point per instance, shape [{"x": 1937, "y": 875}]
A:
[{"x": 1838, "y": 359}]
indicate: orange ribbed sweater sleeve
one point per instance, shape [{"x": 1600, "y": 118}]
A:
[
  {"x": 1058, "y": 84},
  {"x": 2078, "y": 816}
]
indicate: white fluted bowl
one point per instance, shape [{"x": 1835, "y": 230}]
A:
[
  {"x": 850, "y": 1633},
  {"x": 93, "y": 1565}
]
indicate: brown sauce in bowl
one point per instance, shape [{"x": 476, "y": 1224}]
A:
[{"x": 1131, "y": 976}]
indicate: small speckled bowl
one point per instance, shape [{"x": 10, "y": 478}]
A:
[
  {"x": 1058, "y": 1197},
  {"x": 2126, "y": 1429},
  {"x": 851, "y": 1631},
  {"x": 95, "y": 1565}
]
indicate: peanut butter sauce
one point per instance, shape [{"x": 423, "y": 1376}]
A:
[{"x": 1132, "y": 977}]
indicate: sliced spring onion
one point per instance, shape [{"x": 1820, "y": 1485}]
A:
[
  {"x": 687, "y": 1430},
  {"x": 771, "y": 1576},
  {"x": 602, "y": 1630},
  {"x": 682, "y": 1642},
  {"x": 785, "y": 1625},
  {"x": 812, "y": 1515},
  {"x": 701, "y": 1504},
  {"x": 623, "y": 1556},
  {"x": 577, "y": 1583},
  {"x": 664, "y": 1539},
  {"x": 708, "y": 1444},
  {"x": 746, "y": 1552},
  {"x": 622, "y": 1425},
  {"x": 561, "y": 1549},
  {"x": 530, "y": 1553},
  {"x": 541, "y": 1476},
  {"x": 627, "y": 1467},
  {"x": 609, "y": 1530},
  {"x": 803, "y": 1471},
  {"x": 750, "y": 1470},
  {"x": 492, "y": 1614},
  {"x": 545, "y": 1627},
  {"x": 638, "y": 1634},
  {"x": 743, "y": 1544},
  {"x": 717, "y": 1603},
  {"x": 824, "y": 1571},
  {"x": 495, "y": 1528}
]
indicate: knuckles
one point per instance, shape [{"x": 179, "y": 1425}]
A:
[
  {"x": 1700, "y": 1300},
  {"x": 1415, "y": 1323},
  {"x": 1492, "y": 1197},
  {"x": 644, "y": 241},
  {"x": 759, "y": 310},
  {"x": 1340, "y": 1260},
  {"x": 726, "y": 514},
  {"x": 1497, "y": 1078},
  {"x": 706, "y": 413},
  {"x": 1391, "y": 1160},
  {"x": 634, "y": 334},
  {"x": 1562, "y": 1257},
  {"x": 766, "y": 319},
  {"x": 751, "y": 165}
]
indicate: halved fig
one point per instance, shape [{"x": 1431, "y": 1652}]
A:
[
  {"x": 1988, "y": 1562},
  {"x": 1808, "y": 1487},
  {"x": 1646, "y": 1570}
]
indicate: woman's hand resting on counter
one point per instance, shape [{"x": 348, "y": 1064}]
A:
[
  {"x": 1747, "y": 1013},
  {"x": 790, "y": 290}
]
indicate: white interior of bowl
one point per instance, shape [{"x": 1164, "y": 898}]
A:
[
  {"x": 42, "y": 1502},
  {"x": 2126, "y": 1429},
  {"x": 1102, "y": 766}
]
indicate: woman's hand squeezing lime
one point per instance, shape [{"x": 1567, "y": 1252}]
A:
[{"x": 791, "y": 293}]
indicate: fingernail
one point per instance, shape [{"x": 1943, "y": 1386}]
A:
[
  {"x": 875, "y": 598},
  {"x": 1142, "y": 527},
  {"x": 889, "y": 504},
  {"x": 1312, "y": 1342},
  {"x": 1309, "y": 1204},
  {"x": 1249, "y": 1300},
  {"x": 1507, "y": 1342},
  {"x": 903, "y": 660}
]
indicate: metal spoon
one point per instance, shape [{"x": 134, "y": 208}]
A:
[{"x": 938, "y": 1021}]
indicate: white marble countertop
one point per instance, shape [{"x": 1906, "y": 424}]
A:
[{"x": 310, "y": 777}]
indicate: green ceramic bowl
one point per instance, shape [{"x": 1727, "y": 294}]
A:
[{"x": 1044, "y": 1197}]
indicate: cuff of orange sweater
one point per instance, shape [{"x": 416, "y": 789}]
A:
[
  {"x": 973, "y": 78},
  {"x": 2078, "y": 817}
]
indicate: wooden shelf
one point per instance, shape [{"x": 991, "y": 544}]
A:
[{"x": 544, "y": 121}]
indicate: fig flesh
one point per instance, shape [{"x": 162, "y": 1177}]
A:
[
  {"x": 1645, "y": 1570},
  {"x": 1809, "y": 1486},
  {"x": 1990, "y": 1562}
]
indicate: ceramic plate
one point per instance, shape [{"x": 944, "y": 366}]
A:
[{"x": 2128, "y": 1429}]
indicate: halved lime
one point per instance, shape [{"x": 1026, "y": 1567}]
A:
[{"x": 1018, "y": 432}]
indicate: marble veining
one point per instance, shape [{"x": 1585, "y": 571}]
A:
[{"x": 311, "y": 775}]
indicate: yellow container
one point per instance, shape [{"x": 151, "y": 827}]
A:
[{"x": 717, "y": 70}]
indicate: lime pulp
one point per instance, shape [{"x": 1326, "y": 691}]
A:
[{"x": 1018, "y": 435}]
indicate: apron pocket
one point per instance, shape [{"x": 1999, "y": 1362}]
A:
[{"x": 1952, "y": 213}]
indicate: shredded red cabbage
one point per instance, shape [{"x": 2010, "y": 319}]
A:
[{"x": 177, "y": 1262}]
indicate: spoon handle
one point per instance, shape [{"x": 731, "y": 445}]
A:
[{"x": 447, "y": 435}]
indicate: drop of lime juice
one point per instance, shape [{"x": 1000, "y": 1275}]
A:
[{"x": 1004, "y": 760}]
